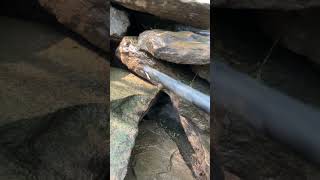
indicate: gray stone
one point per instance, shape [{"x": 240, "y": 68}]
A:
[
  {"x": 131, "y": 97},
  {"x": 119, "y": 23}
]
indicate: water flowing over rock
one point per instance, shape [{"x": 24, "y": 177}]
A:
[
  {"x": 119, "y": 23},
  {"x": 195, "y": 12},
  {"x": 177, "y": 47},
  {"x": 88, "y": 18},
  {"x": 131, "y": 97}
]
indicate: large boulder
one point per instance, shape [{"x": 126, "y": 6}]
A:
[
  {"x": 90, "y": 19},
  {"x": 42, "y": 75},
  {"x": 177, "y": 47},
  {"x": 53, "y": 112},
  {"x": 262, "y": 4},
  {"x": 195, "y": 12},
  {"x": 130, "y": 98},
  {"x": 70, "y": 143}
]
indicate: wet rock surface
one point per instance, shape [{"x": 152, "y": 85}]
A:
[{"x": 53, "y": 117}]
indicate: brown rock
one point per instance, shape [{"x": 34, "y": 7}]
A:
[
  {"x": 177, "y": 47},
  {"x": 195, "y": 12},
  {"x": 45, "y": 74},
  {"x": 87, "y": 18}
]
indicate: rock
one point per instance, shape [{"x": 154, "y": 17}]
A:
[
  {"x": 196, "y": 125},
  {"x": 261, "y": 4},
  {"x": 156, "y": 156},
  {"x": 176, "y": 47},
  {"x": 87, "y": 18},
  {"x": 69, "y": 143},
  {"x": 46, "y": 72},
  {"x": 202, "y": 71},
  {"x": 194, "y": 121},
  {"x": 298, "y": 31},
  {"x": 131, "y": 97},
  {"x": 119, "y": 23},
  {"x": 195, "y": 12},
  {"x": 53, "y": 111}
]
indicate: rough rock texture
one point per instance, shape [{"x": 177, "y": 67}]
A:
[
  {"x": 298, "y": 31},
  {"x": 195, "y": 122},
  {"x": 131, "y": 97},
  {"x": 176, "y": 47},
  {"x": 119, "y": 23},
  {"x": 53, "y": 112},
  {"x": 88, "y": 18},
  {"x": 156, "y": 156},
  {"x": 195, "y": 12},
  {"x": 262, "y": 4}
]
